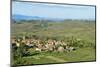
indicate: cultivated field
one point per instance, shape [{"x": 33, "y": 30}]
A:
[{"x": 52, "y": 42}]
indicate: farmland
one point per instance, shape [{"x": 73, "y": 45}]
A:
[{"x": 78, "y": 34}]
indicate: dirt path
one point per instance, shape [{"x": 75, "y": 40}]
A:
[
  {"x": 48, "y": 57},
  {"x": 55, "y": 59}
]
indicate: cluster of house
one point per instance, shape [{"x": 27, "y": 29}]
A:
[{"x": 39, "y": 45}]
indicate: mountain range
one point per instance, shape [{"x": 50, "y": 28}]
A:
[{"x": 23, "y": 17}]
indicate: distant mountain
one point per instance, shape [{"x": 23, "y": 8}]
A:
[{"x": 22, "y": 17}]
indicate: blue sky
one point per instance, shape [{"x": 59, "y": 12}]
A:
[{"x": 53, "y": 10}]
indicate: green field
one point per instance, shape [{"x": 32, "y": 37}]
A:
[
  {"x": 80, "y": 29},
  {"x": 83, "y": 54},
  {"x": 84, "y": 30}
]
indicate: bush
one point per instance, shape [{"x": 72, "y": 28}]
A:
[
  {"x": 18, "y": 53},
  {"x": 77, "y": 42}
]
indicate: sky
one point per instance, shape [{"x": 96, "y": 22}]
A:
[{"x": 53, "y": 10}]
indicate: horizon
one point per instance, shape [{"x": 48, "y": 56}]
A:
[{"x": 53, "y": 10}]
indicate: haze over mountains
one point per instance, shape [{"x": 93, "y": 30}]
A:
[
  {"x": 23, "y": 17},
  {"x": 18, "y": 17}
]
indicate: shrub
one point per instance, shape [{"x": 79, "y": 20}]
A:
[{"x": 18, "y": 53}]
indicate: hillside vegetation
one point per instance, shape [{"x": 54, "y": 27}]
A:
[{"x": 78, "y": 34}]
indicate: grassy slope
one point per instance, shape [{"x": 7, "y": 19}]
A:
[
  {"x": 84, "y": 30},
  {"x": 79, "y": 29},
  {"x": 83, "y": 54}
]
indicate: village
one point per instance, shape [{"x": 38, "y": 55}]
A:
[{"x": 39, "y": 45}]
